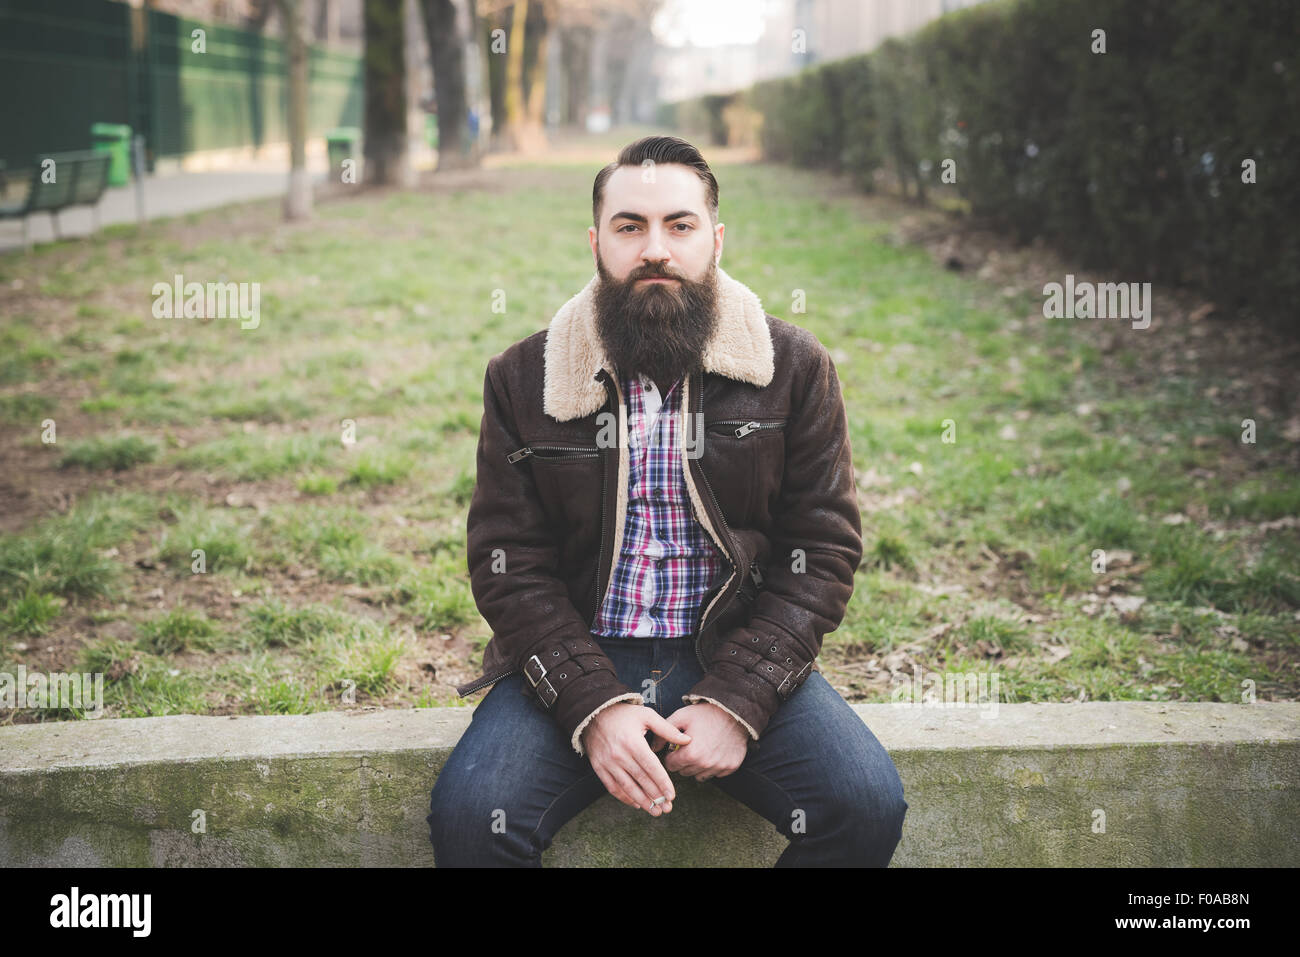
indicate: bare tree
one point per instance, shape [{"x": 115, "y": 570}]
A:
[
  {"x": 532, "y": 135},
  {"x": 386, "y": 156},
  {"x": 298, "y": 201},
  {"x": 447, "y": 51},
  {"x": 516, "y": 59},
  {"x": 575, "y": 40}
]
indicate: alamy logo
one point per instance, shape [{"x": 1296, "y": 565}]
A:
[
  {"x": 218, "y": 300},
  {"x": 102, "y": 910},
  {"x": 55, "y": 690},
  {"x": 1107, "y": 300},
  {"x": 635, "y": 431},
  {"x": 956, "y": 689}
]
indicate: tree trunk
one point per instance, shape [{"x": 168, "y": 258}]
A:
[
  {"x": 386, "y": 158},
  {"x": 532, "y": 135},
  {"x": 577, "y": 75},
  {"x": 297, "y": 203},
  {"x": 496, "y": 48},
  {"x": 513, "y": 93},
  {"x": 447, "y": 51}
]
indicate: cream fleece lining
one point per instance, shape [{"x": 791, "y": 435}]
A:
[
  {"x": 697, "y": 698},
  {"x": 630, "y": 698}
]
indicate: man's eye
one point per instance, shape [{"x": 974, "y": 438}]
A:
[{"x": 625, "y": 226}]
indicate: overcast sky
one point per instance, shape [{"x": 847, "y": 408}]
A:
[{"x": 711, "y": 23}]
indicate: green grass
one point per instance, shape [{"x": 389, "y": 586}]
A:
[
  {"x": 384, "y": 467},
  {"x": 246, "y": 456},
  {"x": 118, "y": 453},
  {"x": 317, "y": 484},
  {"x": 66, "y": 555},
  {"x": 205, "y": 540},
  {"x": 26, "y": 406},
  {"x": 274, "y": 624},
  {"x": 30, "y": 614},
  {"x": 180, "y": 629},
  {"x": 338, "y": 541}
]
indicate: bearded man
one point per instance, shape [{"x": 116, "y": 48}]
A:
[{"x": 664, "y": 527}]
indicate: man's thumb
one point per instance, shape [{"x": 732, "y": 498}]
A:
[{"x": 668, "y": 731}]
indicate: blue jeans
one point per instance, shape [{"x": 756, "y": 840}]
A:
[{"x": 513, "y": 780}]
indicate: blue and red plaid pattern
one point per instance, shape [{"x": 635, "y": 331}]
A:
[{"x": 667, "y": 561}]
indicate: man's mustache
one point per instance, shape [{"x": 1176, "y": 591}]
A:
[{"x": 650, "y": 272}]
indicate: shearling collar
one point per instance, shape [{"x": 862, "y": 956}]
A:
[{"x": 740, "y": 348}]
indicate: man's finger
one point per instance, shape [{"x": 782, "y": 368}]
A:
[
  {"x": 666, "y": 729},
  {"x": 633, "y": 789},
  {"x": 682, "y": 765},
  {"x": 614, "y": 790},
  {"x": 647, "y": 782},
  {"x": 658, "y": 776}
]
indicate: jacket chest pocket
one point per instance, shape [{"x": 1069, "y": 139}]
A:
[
  {"x": 744, "y": 460},
  {"x": 569, "y": 481}
]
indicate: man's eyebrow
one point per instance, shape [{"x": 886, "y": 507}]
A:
[{"x": 638, "y": 218}]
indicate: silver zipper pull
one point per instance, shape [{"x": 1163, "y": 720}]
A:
[
  {"x": 516, "y": 456},
  {"x": 745, "y": 429},
  {"x": 756, "y": 575}
]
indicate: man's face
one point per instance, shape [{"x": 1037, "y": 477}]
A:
[{"x": 656, "y": 253}]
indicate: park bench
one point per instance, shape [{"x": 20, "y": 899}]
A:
[{"x": 80, "y": 179}]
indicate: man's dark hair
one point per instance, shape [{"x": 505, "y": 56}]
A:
[{"x": 658, "y": 149}]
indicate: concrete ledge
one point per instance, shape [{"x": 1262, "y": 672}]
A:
[{"x": 1178, "y": 784}]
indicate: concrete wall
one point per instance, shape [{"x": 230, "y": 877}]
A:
[{"x": 1179, "y": 785}]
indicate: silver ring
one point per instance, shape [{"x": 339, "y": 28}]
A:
[{"x": 657, "y": 801}]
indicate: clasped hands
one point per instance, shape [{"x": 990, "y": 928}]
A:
[{"x": 711, "y": 743}]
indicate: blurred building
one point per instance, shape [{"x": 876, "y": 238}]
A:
[{"x": 798, "y": 34}]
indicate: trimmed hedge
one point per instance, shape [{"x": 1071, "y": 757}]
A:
[{"x": 1129, "y": 159}]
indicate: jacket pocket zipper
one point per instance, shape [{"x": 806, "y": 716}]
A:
[
  {"x": 483, "y": 682},
  {"x": 749, "y": 425},
  {"x": 564, "y": 452}
]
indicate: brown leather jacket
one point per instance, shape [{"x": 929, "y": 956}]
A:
[{"x": 771, "y": 481}]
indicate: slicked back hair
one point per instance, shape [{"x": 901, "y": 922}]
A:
[{"x": 658, "y": 149}]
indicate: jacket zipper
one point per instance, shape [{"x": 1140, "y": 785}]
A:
[
  {"x": 747, "y": 426},
  {"x": 604, "y": 470},
  {"x": 735, "y": 569},
  {"x": 566, "y": 452},
  {"x": 484, "y": 682}
]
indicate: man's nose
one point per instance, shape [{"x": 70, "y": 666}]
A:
[{"x": 656, "y": 250}]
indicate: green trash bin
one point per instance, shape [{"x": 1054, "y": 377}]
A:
[
  {"x": 342, "y": 143},
  {"x": 115, "y": 140}
]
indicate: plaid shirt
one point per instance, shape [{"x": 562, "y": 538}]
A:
[{"x": 667, "y": 561}]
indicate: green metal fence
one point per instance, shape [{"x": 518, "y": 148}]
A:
[{"x": 65, "y": 64}]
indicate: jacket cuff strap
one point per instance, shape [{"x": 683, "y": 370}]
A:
[
  {"x": 774, "y": 660},
  {"x": 555, "y": 663}
]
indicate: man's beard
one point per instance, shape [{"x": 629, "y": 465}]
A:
[{"x": 656, "y": 329}]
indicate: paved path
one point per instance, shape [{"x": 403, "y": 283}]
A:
[{"x": 167, "y": 195}]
